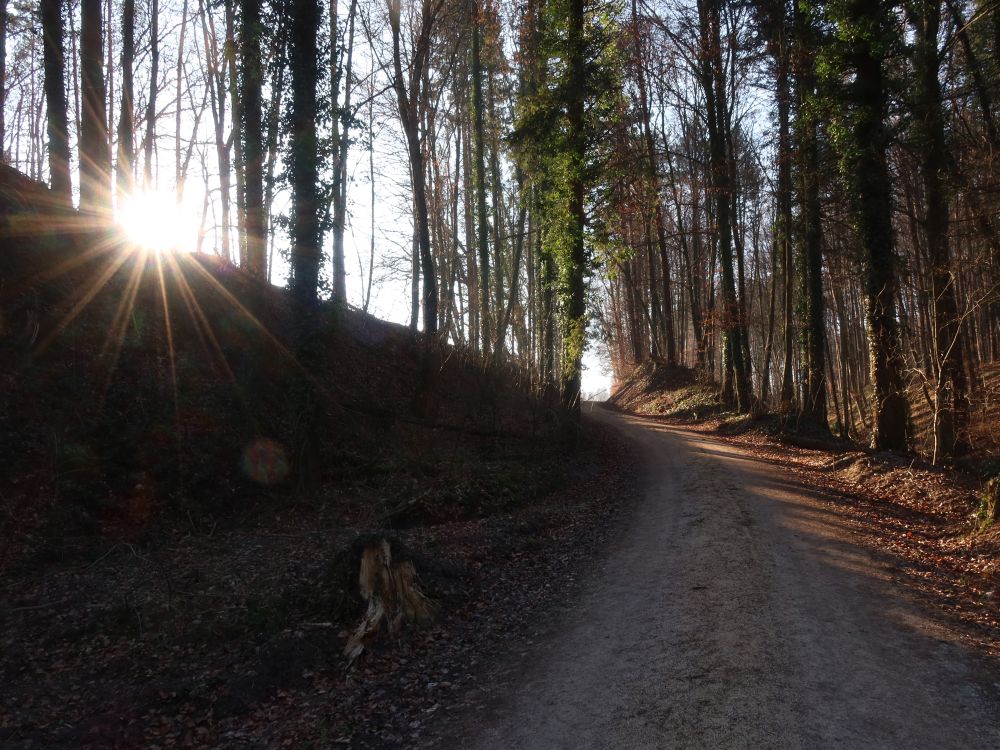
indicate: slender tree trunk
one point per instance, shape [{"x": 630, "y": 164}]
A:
[
  {"x": 813, "y": 326},
  {"x": 951, "y": 411},
  {"x": 3, "y": 77},
  {"x": 217, "y": 97},
  {"x": 479, "y": 180},
  {"x": 736, "y": 381},
  {"x": 251, "y": 68},
  {"x": 342, "y": 143},
  {"x": 409, "y": 116},
  {"x": 783, "y": 227},
  {"x": 55, "y": 101},
  {"x": 652, "y": 172},
  {"x": 126, "y": 123},
  {"x": 575, "y": 323},
  {"x": 236, "y": 110},
  {"x": 95, "y": 167},
  {"x": 178, "y": 100},
  {"x": 154, "y": 85}
]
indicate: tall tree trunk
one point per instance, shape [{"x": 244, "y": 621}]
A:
[
  {"x": 55, "y": 101},
  {"x": 126, "y": 117},
  {"x": 342, "y": 143},
  {"x": 735, "y": 374},
  {"x": 3, "y": 76},
  {"x": 479, "y": 180},
  {"x": 653, "y": 176},
  {"x": 306, "y": 232},
  {"x": 304, "y": 153},
  {"x": 154, "y": 85},
  {"x": 95, "y": 167},
  {"x": 408, "y": 100},
  {"x": 951, "y": 397},
  {"x": 178, "y": 109},
  {"x": 864, "y": 28},
  {"x": 813, "y": 327},
  {"x": 217, "y": 96},
  {"x": 783, "y": 222},
  {"x": 574, "y": 321},
  {"x": 251, "y": 70},
  {"x": 236, "y": 109}
]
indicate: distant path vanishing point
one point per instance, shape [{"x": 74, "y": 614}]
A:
[{"x": 734, "y": 611}]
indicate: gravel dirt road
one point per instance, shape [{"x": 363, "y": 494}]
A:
[{"x": 734, "y": 611}]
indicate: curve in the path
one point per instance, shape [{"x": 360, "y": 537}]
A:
[{"x": 735, "y": 611}]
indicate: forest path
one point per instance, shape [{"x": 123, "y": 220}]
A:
[{"x": 735, "y": 611}]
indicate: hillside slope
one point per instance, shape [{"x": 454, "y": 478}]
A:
[
  {"x": 143, "y": 385},
  {"x": 163, "y": 580}
]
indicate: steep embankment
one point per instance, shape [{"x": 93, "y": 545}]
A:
[
  {"x": 140, "y": 386},
  {"x": 163, "y": 580},
  {"x": 653, "y": 389},
  {"x": 930, "y": 518}
]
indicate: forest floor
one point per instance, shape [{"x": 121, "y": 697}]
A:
[
  {"x": 750, "y": 602},
  {"x": 223, "y": 637}
]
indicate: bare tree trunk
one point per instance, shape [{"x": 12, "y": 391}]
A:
[
  {"x": 408, "y": 101},
  {"x": 154, "y": 56},
  {"x": 736, "y": 381},
  {"x": 126, "y": 123},
  {"x": 479, "y": 180},
  {"x": 304, "y": 157},
  {"x": 951, "y": 412},
  {"x": 55, "y": 100},
  {"x": 3, "y": 77},
  {"x": 95, "y": 167},
  {"x": 251, "y": 129},
  {"x": 178, "y": 112},
  {"x": 342, "y": 143}
]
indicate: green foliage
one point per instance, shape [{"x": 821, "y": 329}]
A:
[{"x": 543, "y": 141}]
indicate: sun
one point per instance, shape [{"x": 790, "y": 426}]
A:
[{"x": 156, "y": 221}]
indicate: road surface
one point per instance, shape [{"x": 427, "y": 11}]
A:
[{"x": 734, "y": 611}]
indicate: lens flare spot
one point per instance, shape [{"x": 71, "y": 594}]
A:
[{"x": 265, "y": 461}]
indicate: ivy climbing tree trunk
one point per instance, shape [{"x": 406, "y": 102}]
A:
[{"x": 573, "y": 270}]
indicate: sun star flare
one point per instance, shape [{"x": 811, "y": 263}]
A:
[{"x": 158, "y": 222}]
